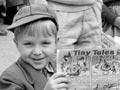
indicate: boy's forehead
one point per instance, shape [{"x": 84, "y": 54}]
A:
[
  {"x": 36, "y": 40},
  {"x": 38, "y": 30},
  {"x": 38, "y": 34},
  {"x": 26, "y": 36}
]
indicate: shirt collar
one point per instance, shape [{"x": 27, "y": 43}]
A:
[{"x": 49, "y": 68}]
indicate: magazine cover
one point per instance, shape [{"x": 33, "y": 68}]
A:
[{"x": 95, "y": 69}]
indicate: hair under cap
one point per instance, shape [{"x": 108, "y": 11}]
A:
[{"x": 31, "y": 13}]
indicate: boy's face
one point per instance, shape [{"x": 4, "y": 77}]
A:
[{"x": 36, "y": 50}]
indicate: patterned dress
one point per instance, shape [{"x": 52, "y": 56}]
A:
[{"x": 107, "y": 27}]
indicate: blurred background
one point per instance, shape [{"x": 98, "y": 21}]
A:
[{"x": 8, "y": 51}]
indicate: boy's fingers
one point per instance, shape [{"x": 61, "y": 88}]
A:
[
  {"x": 62, "y": 86},
  {"x": 58, "y": 75},
  {"x": 62, "y": 80},
  {"x": 63, "y": 89}
]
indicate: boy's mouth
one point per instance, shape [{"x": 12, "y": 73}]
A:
[{"x": 38, "y": 59}]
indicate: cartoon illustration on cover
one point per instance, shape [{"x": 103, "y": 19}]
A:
[{"x": 95, "y": 69}]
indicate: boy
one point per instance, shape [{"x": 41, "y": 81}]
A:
[
  {"x": 79, "y": 22},
  {"x": 35, "y": 29}
]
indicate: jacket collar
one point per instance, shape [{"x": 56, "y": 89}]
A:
[{"x": 32, "y": 74}]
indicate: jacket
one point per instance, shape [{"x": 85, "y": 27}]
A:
[{"x": 22, "y": 76}]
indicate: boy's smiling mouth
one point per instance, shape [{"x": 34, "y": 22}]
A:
[{"x": 38, "y": 59}]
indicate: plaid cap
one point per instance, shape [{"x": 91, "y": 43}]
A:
[{"x": 31, "y": 13}]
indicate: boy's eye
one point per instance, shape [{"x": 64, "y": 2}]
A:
[
  {"x": 45, "y": 43},
  {"x": 28, "y": 43}
]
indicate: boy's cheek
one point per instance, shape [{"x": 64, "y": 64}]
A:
[{"x": 53, "y": 49}]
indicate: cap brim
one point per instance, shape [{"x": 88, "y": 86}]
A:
[{"x": 26, "y": 20}]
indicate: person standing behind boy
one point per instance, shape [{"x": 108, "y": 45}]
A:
[
  {"x": 79, "y": 22},
  {"x": 12, "y": 7},
  {"x": 35, "y": 29},
  {"x": 113, "y": 29}
]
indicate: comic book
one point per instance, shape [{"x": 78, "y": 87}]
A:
[{"x": 94, "y": 69}]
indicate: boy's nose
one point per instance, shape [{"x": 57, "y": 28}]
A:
[{"x": 37, "y": 51}]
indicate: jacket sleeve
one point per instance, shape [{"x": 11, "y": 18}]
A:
[{"x": 8, "y": 82}]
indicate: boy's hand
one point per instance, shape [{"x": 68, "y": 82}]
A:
[{"x": 57, "y": 82}]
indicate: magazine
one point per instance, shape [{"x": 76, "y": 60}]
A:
[{"x": 94, "y": 69}]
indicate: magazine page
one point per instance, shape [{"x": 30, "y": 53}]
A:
[
  {"x": 107, "y": 41},
  {"x": 94, "y": 69}
]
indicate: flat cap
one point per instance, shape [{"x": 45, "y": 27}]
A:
[{"x": 31, "y": 13}]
